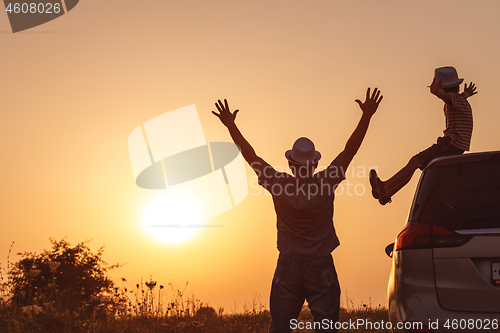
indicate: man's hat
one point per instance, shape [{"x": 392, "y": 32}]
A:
[
  {"x": 302, "y": 152},
  {"x": 448, "y": 76}
]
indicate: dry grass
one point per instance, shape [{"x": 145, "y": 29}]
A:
[
  {"x": 204, "y": 320},
  {"x": 147, "y": 307}
]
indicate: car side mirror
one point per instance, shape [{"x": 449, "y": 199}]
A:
[{"x": 388, "y": 250}]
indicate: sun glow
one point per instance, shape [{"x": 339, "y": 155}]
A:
[{"x": 172, "y": 218}]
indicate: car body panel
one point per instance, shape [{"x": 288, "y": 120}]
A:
[
  {"x": 460, "y": 286},
  {"x": 456, "y": 282},
  {"x": 409, "y": 289}
]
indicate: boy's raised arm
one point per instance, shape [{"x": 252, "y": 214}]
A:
[
  {"x": 227, "y": 118},
  {"x": 368, "y": 107},
  {"x": 470, "y": 90},
  {"x": 437, "y": 89}
]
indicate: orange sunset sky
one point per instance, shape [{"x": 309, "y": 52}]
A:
[{"x": 73, "y": 89}]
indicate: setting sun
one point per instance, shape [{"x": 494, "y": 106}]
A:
[{"x": 171, "y": 218}]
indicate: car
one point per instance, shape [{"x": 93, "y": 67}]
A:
[{"x": 445, "y": 273}]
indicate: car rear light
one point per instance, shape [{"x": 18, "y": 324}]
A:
[
  {"x": 425, "y": 236},
  {"x": 442, "y": 237},
  {"x": 415, "y": 236}
]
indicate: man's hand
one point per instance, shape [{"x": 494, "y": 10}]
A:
[
  {"x": 470, "y": 90},
  {"x": 225, "y": 116},
  {"x": 371, "y": 103},
  {"x": 352, "y": 145}
]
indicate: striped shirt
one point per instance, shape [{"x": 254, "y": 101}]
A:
[{"x": 458, "y": 121}]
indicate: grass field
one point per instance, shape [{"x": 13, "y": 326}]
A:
[
  {"x": 67, "y": 290},
  {"x": 205, "y": 320}
]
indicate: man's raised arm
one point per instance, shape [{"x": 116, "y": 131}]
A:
[
  {"x": 368, "y": 107},
  {"x": 227, "y": 118}
]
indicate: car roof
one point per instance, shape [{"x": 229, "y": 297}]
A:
[{"x": 457, "y": 159}]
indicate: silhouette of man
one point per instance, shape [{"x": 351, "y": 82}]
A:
[{"x": 304, "y": 209}]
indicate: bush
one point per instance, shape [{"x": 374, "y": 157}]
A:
[
  {"x": 69, "y": 277},
  {"x": 206, "y": 312}
]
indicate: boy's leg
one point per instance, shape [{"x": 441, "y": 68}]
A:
[
  {"x": 402, "y": 177},
  {"x": 385, "y": 190},
  {"x": 287, "y": 295}
]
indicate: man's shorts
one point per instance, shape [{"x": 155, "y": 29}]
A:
[{"x": 442, "y": 147}]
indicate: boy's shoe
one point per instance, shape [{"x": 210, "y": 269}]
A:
[
  {"x": 376, "y": 184},
  {"x": 384, "y": 200},
  {"x": 378, "y": 190}
]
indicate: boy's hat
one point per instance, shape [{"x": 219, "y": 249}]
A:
[
  {"x": 302, "y": 152},
  {"x": 448, "y": 76}
]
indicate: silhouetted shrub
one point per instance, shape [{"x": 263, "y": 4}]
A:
[
  {"x": 65, "y": 276},
  {"x": 206, "y": 312}
]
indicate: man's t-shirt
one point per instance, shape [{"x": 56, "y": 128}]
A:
[{"x": 304, "y": 209}]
